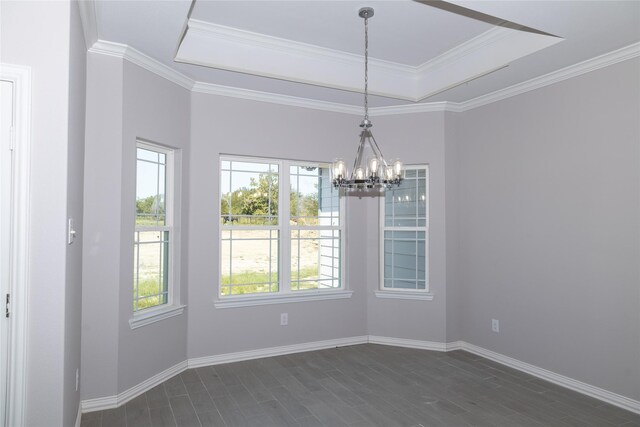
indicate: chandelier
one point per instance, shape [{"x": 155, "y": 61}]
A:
[{"x": 370, "y": 172}]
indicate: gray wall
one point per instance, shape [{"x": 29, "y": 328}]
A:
[
  {"x": 124, "y": 102},
  {"x": 451, "y": 169},
  {"x": 102, "y": 227},
  {"x": 75, "y": 187},
  {"x": 39, "y": 35},
  {"x": 158, "y": 111},
  {"x": 550, "y": 227},
  {"x": 234, "y": 126},
  {"x": 534, "y": 207},
  {"x": 416, "y": 139}
]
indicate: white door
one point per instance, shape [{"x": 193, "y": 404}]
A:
[{"x": 6, "y": 175}]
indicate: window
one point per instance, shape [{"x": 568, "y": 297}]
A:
[
  {"x": 280, "y": 228},
  {"x": 154, "y": 234},
  {"x": 405, "y": 234}
]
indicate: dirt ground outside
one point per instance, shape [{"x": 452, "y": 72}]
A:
[{"x": 248, "y": 255}]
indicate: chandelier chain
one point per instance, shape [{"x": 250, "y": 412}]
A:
[{"x": 366, "y": 67}]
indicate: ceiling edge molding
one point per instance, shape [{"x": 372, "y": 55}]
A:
[
  {"x": 291, "y": 46},
  {"x": 89, "y": 20},
  {"x": 138, "y": 58},
  {"x": 481, "y": 40},
  {"x": 274, "y": 98},
  {"x": 610, "y": 58},
  {"x": 429, "y": 107}
]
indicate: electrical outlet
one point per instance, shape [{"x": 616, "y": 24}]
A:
[
  {"x": 77, "y": 379},
  {"x": 495, "y": 325},
  {"x": 284, "y": 319}
]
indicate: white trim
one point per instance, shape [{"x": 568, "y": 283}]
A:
[
  {"x": 411, "y": 295},
  {"x": 149, "y": 316},
  {"x": 274, "y": 98},
  {"x": 102, "y": 403},
  {"x": 138, "y": 58},
  {"x": 232, "y": 49},
  {"x": 20, "y": 76},
  {"x": 561, "y": 380},
  {"x": 408, "y": 343},
  {"x": 454, "y": 345},
  {"x": 89, "y": 20},
  {"x": 275, "y": 351},
  {"x": 110, "y": 402},
  {"x": 427, "y": 107},
  {"x": 79, "y": 415},
  {"x": 610, "y": 58},
  {"x": 395, "y": 293},
  {"x": 297, "y": 296},
  {"x": 103, "y": 47},
  {"x": 578, "y": 386}
]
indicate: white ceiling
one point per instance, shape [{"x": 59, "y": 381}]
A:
[{"x": 402, "y": 32}]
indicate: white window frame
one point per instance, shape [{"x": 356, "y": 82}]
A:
[
  {"x": 397, "y": 293},
  {"x": 284, "y": 294},
  {"x": 173, "y": 171}
]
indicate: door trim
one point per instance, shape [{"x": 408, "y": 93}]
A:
[{"x": 20, "y": 76}]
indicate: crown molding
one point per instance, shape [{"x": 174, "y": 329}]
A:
[
  {"x": 221, "y": 47},
  {"x": 427, "y": 107},
  {"x": 291, "y": 46},
  {"x": 103, "y": 47},
  {"x": 136, "y": 57},
  {"x": 218, "y": 46},
  {"x": 89, "y": 20},
  {"x": 610, "y": 58},
  {"x": 274, "y": 98},
  {"x": 482, "y": 40}
]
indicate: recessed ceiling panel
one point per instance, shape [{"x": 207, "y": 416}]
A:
[
  {"x": 236, "y": 49},
  {"x": 401, "y": 31}
]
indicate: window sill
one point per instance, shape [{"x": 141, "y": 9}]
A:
[
  {"x": 248, "y": 301},
  {"x": 155, "y": 315},
  {"x": 421, "y": 296}
]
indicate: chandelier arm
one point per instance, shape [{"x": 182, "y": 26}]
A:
[
  {"x": 358, "y": 162},
  {"x": 377, "y": 149}
]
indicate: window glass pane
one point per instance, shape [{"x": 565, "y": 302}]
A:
[
  {"x": 249, "y": 261},
  {"x": 404, "y": 247},
  {"x": 313, "y": 199},
  {"x": 151, "y": 244},
  {"x": 249, "y": 193},
  {"x": 315, "y": 259},
  {"x": 151, "y": 261},
  {"x": 150, "y": 188},
  {"x": 151, "y": 156},
  {"x": 406, "y": 205}
]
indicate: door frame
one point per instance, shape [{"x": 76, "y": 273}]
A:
[{"x": 20, "y": 76}]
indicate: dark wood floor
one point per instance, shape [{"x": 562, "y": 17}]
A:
[{"x": 363, "y": 385}]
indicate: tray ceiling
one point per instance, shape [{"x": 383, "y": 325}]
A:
[{"x": 313, "y": 49}]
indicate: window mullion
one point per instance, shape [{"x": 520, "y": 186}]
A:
[{"x": 284, "y": 214}]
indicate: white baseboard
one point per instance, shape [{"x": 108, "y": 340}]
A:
[
  {"x": 275, "y": 351},
  {"x": 79, "y": 416},
  {"x": 575, "y": 385},
  {"x": 403, "y": 342},
  {"x": 110, "y": 402}
]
